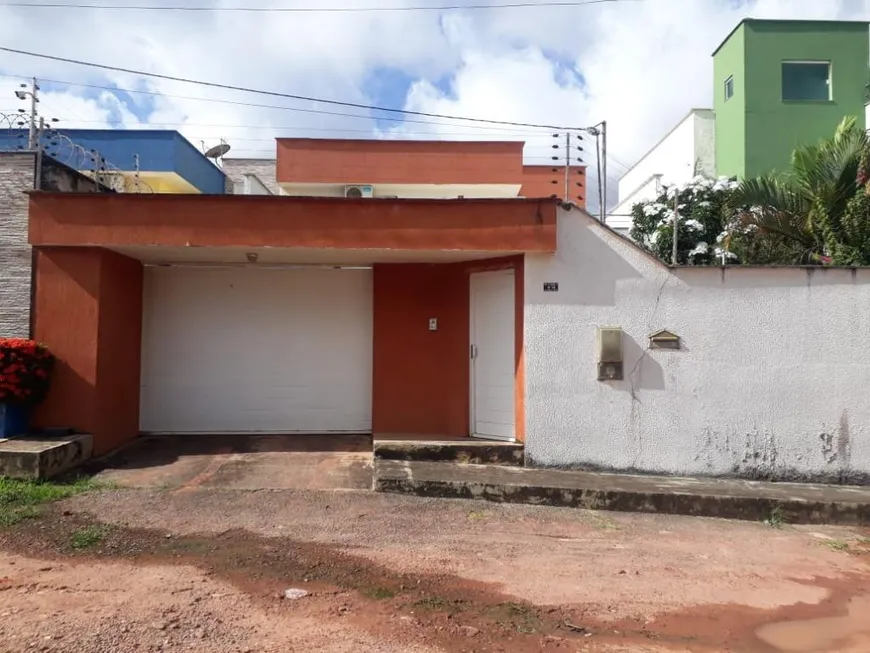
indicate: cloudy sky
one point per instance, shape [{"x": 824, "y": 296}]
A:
[{"x": 639, "y": 64}]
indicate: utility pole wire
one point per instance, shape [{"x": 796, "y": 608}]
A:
[
  {"x": 312, "y": 10},
  {"x": 498, "y": 130},
  {"x": 600, "y": 181},
  {"x": 37, "y": 177},
  {"x": 676, "y": 223},
  {"x": 34, "y": 100},
  {"x": 567, "y": 197},
  {"x": 604, "y": 171},
  {"x": 290, "y": 96}
]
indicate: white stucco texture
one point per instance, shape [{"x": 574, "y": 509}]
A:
[{"x": 772, "y": 381}]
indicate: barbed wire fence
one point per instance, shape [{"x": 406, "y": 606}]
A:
[{"x": 52, "y": 142}]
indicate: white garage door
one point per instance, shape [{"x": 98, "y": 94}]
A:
[{"x": 227, "y": 350}]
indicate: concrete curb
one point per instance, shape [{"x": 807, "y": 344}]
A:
[
  {"x": 469, "y": 453},
  {"x": 752, "y": 508},
  {"x": 39, "y": 458}
]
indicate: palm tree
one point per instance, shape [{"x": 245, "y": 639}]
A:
[{"x": 797, "y": 217}]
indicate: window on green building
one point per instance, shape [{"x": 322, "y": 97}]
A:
[
  {"x": 806, "y": 80},
  {"x": 729, "y": 88}
]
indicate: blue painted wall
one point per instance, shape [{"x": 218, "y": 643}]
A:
[
  {"x": 191, "y": 164},
  {"x": 158, "y": 150}
]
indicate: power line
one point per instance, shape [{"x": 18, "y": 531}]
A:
[
  {"x": 305, "y": 129},
  {"x": 492, "y": 131},
  {"x": 230, "y": 87},
  {"x": 268, "y": 106},
  {"x": 581, "y": 133},
  {"x": 269, "y": 153},
  {"x": 618, "y": 162},
  {"x": 289, "y": 128},
  {"x": 500, "y": 135},
  {"x": 312, "y": 10},
  {"x": 495, "y": 130},
  {"x": 500, "y": 132}
]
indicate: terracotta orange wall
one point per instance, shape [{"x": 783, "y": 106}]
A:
[
  {"x": 66, "y": 318},
  {"x": 88, "y": 311},
  {"x": 109, "y": 219},
  {"x": 119, "y": 350},
  {"x": 421, "y": 377},
  {"x": 303, "y": 160},
  {"x": 538, "y": 182}
]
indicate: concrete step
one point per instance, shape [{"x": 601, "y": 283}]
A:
[
  {"x": 474, "y": 452},
  {"x": 43, "y": 457},
  {"x": 732, "y": 499}
]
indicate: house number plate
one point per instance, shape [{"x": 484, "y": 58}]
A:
[{"x": 551, "y": 286}]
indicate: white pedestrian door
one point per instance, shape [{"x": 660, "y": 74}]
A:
[{"x": 492, "y": 355}]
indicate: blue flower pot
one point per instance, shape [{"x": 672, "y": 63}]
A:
[{"x": 13, "y": 420}]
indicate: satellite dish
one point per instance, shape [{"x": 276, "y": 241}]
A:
[{"x": 217, "y": 151}]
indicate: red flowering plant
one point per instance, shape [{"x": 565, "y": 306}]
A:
[{"x": 25, "y": 371}]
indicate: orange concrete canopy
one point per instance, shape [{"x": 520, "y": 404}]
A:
[{"x": 118, "y": 220}]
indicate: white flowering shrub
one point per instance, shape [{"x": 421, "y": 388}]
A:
[{"x": 705, "y": 226}]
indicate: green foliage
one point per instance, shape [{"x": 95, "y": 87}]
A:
[
  {"x": 837, "y": 545},
  {"x": 379, "y": 593},
  {"x": 85, "y": 538},
  {"x": 20, "y": 500},
  {"x": 853, "y": 246},
  {"x": 776, "y": 518},
  {"x": 815, "y": 213},
  {"x": 705, "y": 214}
]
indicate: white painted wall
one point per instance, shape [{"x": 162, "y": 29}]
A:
[
  {"x": 772, "y": 381},
  {"x": 690, "y": 146},
  {"x": 705, "y": 143}
]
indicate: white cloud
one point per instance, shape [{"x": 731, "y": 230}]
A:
[
  {"x": 644, "y": 64},
  {"x": 639, "y": 65}
]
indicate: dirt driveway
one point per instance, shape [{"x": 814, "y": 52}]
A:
[{"x": 204, "y": 570}]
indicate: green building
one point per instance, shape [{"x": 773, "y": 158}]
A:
[{"x": 780, "y": 84}]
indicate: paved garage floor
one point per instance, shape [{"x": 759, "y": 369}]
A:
[{"x": 242, "y": 462}]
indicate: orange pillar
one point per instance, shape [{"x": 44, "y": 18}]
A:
[{"x": 88, "y": 312}]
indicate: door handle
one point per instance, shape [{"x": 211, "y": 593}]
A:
[{"x": 473, "y": 351}]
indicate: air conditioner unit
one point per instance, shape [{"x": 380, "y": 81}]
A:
[{"x": 359, "y": 191}]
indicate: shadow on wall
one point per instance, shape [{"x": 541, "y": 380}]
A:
[
  {"x": 55, "y": 412},
  {"x": 59, "y": 177},
  {"x": 642, "y": 371}
]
